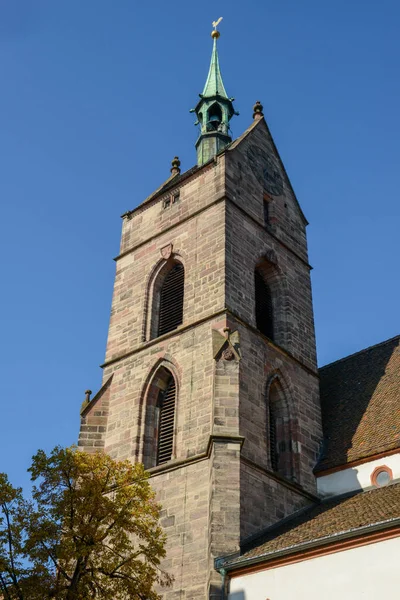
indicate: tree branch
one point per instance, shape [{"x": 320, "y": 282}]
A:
[
  {"x": 55, "y": 562},
  {"x": 4, "y": 588},
  {"x": 13, "y": 573}
]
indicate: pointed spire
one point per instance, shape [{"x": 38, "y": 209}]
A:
[
  {"x": 214, "y": 109},
  {"x": 214, "y": 85}
]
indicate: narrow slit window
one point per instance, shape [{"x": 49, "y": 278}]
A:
[
  {"x": 272, "y": 439},
  {"x": 171, "y": 300},
  {"x": 279, "y": 431},
  {"x": 166, "y": 422},
  {"x": 266, "y": 213},
  {"x": 264, "y": 310},
  {"x": 267, "y": 210}
]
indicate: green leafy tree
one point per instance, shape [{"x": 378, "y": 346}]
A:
[{"x": 90, "y": 531}]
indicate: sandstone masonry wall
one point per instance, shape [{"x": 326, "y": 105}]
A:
[
  {"x": 195, "y": 193},
  {"x": 218, "y": 488}
]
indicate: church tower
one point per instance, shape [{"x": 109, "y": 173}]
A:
[{"x": 210, "y": 375}]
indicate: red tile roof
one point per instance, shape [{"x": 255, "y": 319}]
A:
[
  {"x": 324, "y": 522},
  {"x": 360, "y": 402}
]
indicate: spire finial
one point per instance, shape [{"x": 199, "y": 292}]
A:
[
  {"x": 214, "y": 84},
  {"x": 175, "y": 166},
  {"x": 258, "y": 110},
  {"x": 215, "y": 33}
]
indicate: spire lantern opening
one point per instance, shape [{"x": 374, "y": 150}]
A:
[{"x": 214, "y": 109}]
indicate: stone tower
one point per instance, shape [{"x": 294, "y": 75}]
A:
[{"x": 210, "y": 373}]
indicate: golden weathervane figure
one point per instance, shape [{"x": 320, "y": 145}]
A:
[{"x": 215, "y": 33}]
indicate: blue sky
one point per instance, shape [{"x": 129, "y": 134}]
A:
[{"x": 95, "y": 103}]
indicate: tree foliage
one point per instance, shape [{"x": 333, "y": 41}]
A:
[{"x": 90, "y": 531}]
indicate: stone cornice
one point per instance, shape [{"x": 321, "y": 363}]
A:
[
  {"x": 173, "y": 465},
  {"x": 294, "y": 487},
  {"x": 203, "y": 209},
  {"x": 211, "y": 317}
]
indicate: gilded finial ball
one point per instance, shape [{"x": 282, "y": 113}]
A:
[{"x": 215, "y": 34}]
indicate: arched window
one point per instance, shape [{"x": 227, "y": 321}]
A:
[
  {"x": 279, "y": 434},
  {"x": 160, "y": 419},
  {"x": 264, "y": 308},
  {"x": 171, "y": 300},
  {"x": 214, "y": 117},
  {"x": 165, "y": 422},
  {"x": 164, "y": 299}
]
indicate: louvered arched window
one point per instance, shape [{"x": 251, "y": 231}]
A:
[
  {"x": 159, "y": 426},
  {"x": 171, "y": 300},
  {"x": 166, "y": 422},
  {"x": 279, "y": 431},
  {"x": 264, "y": 308}
]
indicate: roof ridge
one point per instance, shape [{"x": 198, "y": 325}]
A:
[
  {"x": 395, "y": 337},
  {"x": 234, "y": 143}
]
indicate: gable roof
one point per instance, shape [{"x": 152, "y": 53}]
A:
[
  {"x": 87, "y": 405},
  {"x": 175, "y": 180},
  {"x": 170, "y": 183},
  {"x": 360, "y": 403},
  {"x": 257, "y": 123},
  {"x": 323, "y": 523}
]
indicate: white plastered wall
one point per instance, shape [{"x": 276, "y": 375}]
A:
[
  {"x": 366, "y": 573},
  {"x": 356, "y": 478}
]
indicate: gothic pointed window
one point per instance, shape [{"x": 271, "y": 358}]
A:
[
  {"x": 165, "y": 422},
  {"x": 279, "y": 434},
  {"x": 170, "y": 299},
  {"x": 264, "y": 308},
  {"x": 159, "y": 433}
]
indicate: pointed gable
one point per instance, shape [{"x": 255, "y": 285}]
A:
[{"x": 255, "y": 175}]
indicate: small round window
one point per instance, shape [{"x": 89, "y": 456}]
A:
[{"x": 381, "y": 476}]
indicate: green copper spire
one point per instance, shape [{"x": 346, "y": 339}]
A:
[
  {"x": 214, "y": 84},
  {"x": 214, "y": 109}
]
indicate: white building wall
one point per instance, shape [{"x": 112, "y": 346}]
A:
[
  {"x": 356, "y": 478},
  {"x": 366, "y": 573}
]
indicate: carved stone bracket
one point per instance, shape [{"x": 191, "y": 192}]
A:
[
  {"x": 227, "y": 353},
  {"x": 166, "y": 251},
  {"x": 226, "y": 347},
  {"x": 271, "y": 257}
]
